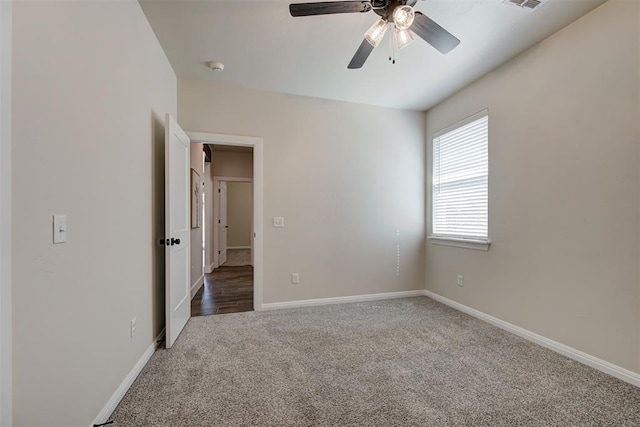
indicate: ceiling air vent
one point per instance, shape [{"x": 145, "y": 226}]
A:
[{"x": 525, "y": 4}]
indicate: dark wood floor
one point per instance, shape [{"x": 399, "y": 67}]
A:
[{"x": 226, "y": 290}]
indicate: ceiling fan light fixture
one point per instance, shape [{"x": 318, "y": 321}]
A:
[
  {"x": 403, "y": 17},
  {"x": 403, "y": 38},
  {"x": 376, "y": 32}
]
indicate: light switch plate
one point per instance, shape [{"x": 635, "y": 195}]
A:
[
  {"x": 59, "y": 228},
  {"x": 278, "y": 222}
]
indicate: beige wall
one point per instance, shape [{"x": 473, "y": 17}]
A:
[
  {"x": 239, "y": 213},
  {"x": 196, "y": 233},
  {"x": 232, "y": 164},
  {"x": 563, "y": 189},
  {"x": 88, "y": 113},
  {"x": 345, "y": 176},
  {"x": 6, "y": 376}
]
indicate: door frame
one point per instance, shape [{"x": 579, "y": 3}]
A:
[
  {"x": 258, "y": 198},
  {"x": 216, "y": 217}
]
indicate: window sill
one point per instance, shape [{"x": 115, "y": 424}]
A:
[{"x": 480, "y": 245}]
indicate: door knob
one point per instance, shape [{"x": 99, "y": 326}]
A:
[{"x": 175, "y": 241}]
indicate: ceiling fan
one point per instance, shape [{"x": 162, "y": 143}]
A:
[{"x": 400, "y": 13}]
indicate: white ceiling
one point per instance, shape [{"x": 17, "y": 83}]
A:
[{"x": 263, "y": 47}]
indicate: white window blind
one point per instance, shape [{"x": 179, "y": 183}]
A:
[{"x": 460, "y": 180}]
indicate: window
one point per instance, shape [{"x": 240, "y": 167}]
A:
[{"x": 460, "y": 183}]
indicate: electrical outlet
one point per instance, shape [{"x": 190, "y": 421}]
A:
[
  {"x": 134, "y": 327},
  {"x": 295, "y": 278},
  {"x": 460, "y": 280}
]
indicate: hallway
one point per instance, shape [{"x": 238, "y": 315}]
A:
[{"x": 229, "y": 289}]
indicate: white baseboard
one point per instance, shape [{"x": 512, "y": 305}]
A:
[
  {"x": 196, "y": 286},
  {"x": 341, "y": 300},
  {"x": 122, "y": 389},
  {"x": 577, "y": 355},
  {"x": 208, "y": 268},
  {"x": 238, "y": 247}
]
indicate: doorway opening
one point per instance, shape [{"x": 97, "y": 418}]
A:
[{"x": 229, "y": 235}]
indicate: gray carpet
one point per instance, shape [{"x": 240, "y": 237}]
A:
[{"x": 403, "y": 362}]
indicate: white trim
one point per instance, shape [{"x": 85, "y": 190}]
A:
[
  {"x": 258, "y": 198},
  {"x": 222, "y": 139},
  {"x": 577, "y": 355},
  {"x": 232, "y": 179},
  {"x": 342, "y": 300},
  {"x": 208, "y": 268},
  {"x": 481, "y": 245},
  {"x": 124, "y": 386},
  {"x": 196, "y": 286},
  {"x": 238, "y": 247},
  {"x": 258, "y": 206},
  {"x": 6, "y": 347}
]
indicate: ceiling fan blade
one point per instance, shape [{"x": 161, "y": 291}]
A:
[
  {"x": 329, "y": 7},
  {"x": 361, "y": 55},
  {"x": 433, "y": 33}
]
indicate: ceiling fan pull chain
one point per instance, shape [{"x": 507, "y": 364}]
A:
[
  {"x": 392, "y": 56},
  {"x": 390, "y": 52}
]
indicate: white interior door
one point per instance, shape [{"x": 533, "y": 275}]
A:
[
  {"x": 222, "y": 223},
  {"x": 177, "y": 229}
]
